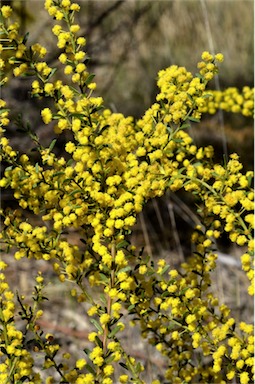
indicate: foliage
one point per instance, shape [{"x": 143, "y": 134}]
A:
[{"x": 111, "y": 168}]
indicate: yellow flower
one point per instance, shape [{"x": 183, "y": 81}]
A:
[
  {"x": 6, "y": 11},
  {"x": 49, "y": 88},
  {"x": 80, "y": 55},
  {"x": 250, "y": 219},
  {"x": 119, "y": 224},
  {"x": 244, "y": 378},
  {"x": 80, "y": 363},
  {"x": 68, "y": 69},
  {"x": 39, "y": 279},
  {"x": 46, "y": 115},
  {"x": 190, "y": 318},
  {"x": 241, "y": 240},
  {"x": 142, "y": 269},
  {"x": 130, "y": 221},
  {"x": 81, "y": 41},
  {"x": 231, "y": 374},
  {"x": 76, "y": 77},
  {"x": 123, "y": 379},
  {"x": 190, "y": 293},
  {"x": 206, "y": 56},
  {"x": 108, "y": 370},
  {"x": 92, "y": 310},
  {"x": 80, "y": 68},
  {"x": 65, "y": 3},
  {"x": 104, "y": 318},
  {"x": 175, "y": 335},
  {"x": 92, "y": 336},
  {"x": 196, "y": 340},
  {"x": 3, "y": 265},
  {"x": 88, "y": 379},
  {"x": 219, "y": 57},
  {"x": 247, "y": 328},
  {"x": 70, "y": 147}
]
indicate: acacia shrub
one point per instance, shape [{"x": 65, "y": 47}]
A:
[{"x": 112, "y": 167}]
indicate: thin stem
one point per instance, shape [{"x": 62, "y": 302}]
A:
[
  {"x": 109, "y": 299},
  {"x": 207, "y": 186}
]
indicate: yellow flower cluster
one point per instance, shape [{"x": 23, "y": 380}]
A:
[
  {"x": 228, "y": 196},
  {"x": 180, "y": 315},
  {"x": 4, "y": 113},
  {"x": 109, "y": 170},
  {"x": 16, "y": 361},
  {"x": 185, "y": 95},
  {"x": 11, "y": 42},
  {"x": 230, "y": 100}
]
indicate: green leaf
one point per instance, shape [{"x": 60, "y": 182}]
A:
[
  {"x": 70, "y": 162},
  {"x": 132, "y": 306},
  {"x": 104, "y": 128},
  {"x": 25, "y": 38},
  {"x": 185, "y": 125},
  {"x": 104, "y": 277},
  {"x": 103, "y": 299},
  {"x": 51, "y": 73},
  {"x": 166, "y": 268},
  {"x": 3, "y": 110},
  {"x": 122, "y": 244},
  {"x": 52, "y": 144},
  {"x": 78, "y": 115},
  {"x": 190, "y": 118},
  {"x": 22, "y": 130},
  {"x": 124, "y": 366},
  {"x": 125, "y": 269},
  {"x": 74, "y": 192},
  {"x": 96, "y": 109},
  {"x": 14, "y": 60},
  {"x": 181, "y": 170},
  {"x": 97, "y": 325},
  {"x": 89, "y": 79},
  {"x": 114, "y": 331},
  {"x": 200, "y": 76},
  {"x": 109, "y": 359},
  {"x": 169, "y": 129},
  {"x": 77, "y": 93},
  {"x": 27, "y": 74},
  {"x": 90, "y": 369},
  {"x": 207, "y": 96},
  {"x": 99, "y": 342},
  {"x": 87, "y": 351},
  {"x": 58, "y": 174},
  {"x": 138, "y": 367},
  {"x": 250, "y": 180},
  {"x": 67, "y": 180},
  {"x": 190, "y": 97}
]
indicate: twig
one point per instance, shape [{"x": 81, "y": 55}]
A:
[{"x": 175, "y": 232}]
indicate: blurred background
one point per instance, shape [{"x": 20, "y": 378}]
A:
[{"x": 129, "y": 41}]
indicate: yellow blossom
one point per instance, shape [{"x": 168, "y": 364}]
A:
[{"x": 46, "y": 115}]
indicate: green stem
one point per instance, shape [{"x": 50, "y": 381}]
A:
[
  {"x": 207, "y": 186},
  {"x": 109, "y": 299},
  {"x": 12, "y": 361}
]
